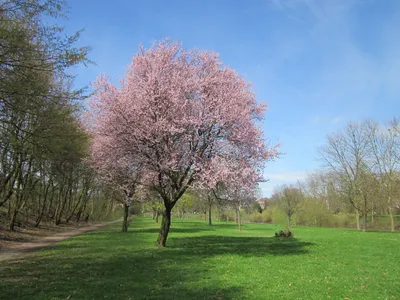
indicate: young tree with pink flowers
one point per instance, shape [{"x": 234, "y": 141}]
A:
[
  {"x": 118, "y": 168},
  {"x": 114, "y": 165},
  {"x": 185, "y": 117}
]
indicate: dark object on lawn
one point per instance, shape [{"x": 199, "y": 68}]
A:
[{"x": 284, "y": 234}]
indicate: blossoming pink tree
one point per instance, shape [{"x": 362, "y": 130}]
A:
[
  {"x": 118, "y": 169},
  {"x": 114, "y": 165},
  {"x": 185, "y": 117}
]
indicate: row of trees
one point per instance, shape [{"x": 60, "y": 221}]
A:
[
  {"x": 364, "y": 161},
  {"x": 361, "y": 176},
  {"x": 205, "y": 204},
  {"x": 43, "y": 173}
]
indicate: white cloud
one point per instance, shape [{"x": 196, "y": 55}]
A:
[
  {"x": 350, "y": 74},
  {"x": 320, "y": 120},
  {"x": 287, "y": 176},
  {"x": 316, "y": 120},
  {"x": 336, "y": 120},
  {"x": 322, "y": 10},
  {"x": 279, "y": 178}
]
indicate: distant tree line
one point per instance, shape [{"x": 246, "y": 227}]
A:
[
  {"x": 207, "y": 204},
  {"x": 360, "y": 181}
]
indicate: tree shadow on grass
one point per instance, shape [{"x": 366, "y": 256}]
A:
[
  {"x": 248, "y": 246},
  {"x": 172, "y": 230},
  {"x": 108, "y": 265},
  {"x": 357, "y": 231},
  {"x": 188, "y": 227},
  {"x": 226, "y": 226},
  {"x": 152, "y": 274}
]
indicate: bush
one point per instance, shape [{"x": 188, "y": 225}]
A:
[
  {"x": 286, "y": 234},
  {"x": 267, "y": 215},
  {"x": 312, "y": 214},
  {"x": 226, "y": 215},
  {"x": 256, "y": 217},
  {"x": 270, "y": 215},
  {"x": 316, "y": 214},
  {"x": 383, "y": 222},
  {"x": 340, "y": 220},
  {"x": 136, "y": 209}
]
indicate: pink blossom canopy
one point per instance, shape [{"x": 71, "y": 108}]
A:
[{"x": 181, "y": 115}]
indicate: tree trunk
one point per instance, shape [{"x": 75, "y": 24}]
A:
[
  {"x": 13, "y": 219},
  {"x": 365, "y": 213},
  {"x": 126, "y": 216},
  {"x": 209, "y": 214},
  {"x": 14, "y": 174},
  {"x": 38, "y": 220},
  {"x": 18, "y": 204},
  {"x": 205, "y": 215},
  {"x": 60, "y": 208},
  {"x": 157, "y": 214},
  {"x": 43, "y": 206},
  {"x": 49, "y": 214},
  {"x": 81, "y": 196},
  {"x": 236, "y": 216},
  {"x": 154, "y": 214},
  {"x": 392, "y": 225},
  {"x": 164, "y": 230},
  {"x": 372, "y": 219},
  {"x": 239, "y": 220},
  {"x": 78, "y": 216},
  {"x": 358, "y": 220},
  {"x": 364, "y": 221},
  {"x": 82, "y": 209},
  {"x": 289, "y": 221}
]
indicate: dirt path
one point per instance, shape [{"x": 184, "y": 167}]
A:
[{"x": 14, "y": 251}]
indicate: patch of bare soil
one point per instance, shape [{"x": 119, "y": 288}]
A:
[
  {"x": 27, "y": 233},
  {"x": 31, "y": 239}
]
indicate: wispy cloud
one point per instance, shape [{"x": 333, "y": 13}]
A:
[
  {"x": 319, "y": 9},
  {"x": 279, "y": 178},
  {"x": 318, "y": 63},
  {"x": 316, "y": 120},
  {"x": 349, "y": 73},
  {"x": 336, "y": 120},
  {"x": 286, "y": 176},
  {"x": 331, "y": 121}
]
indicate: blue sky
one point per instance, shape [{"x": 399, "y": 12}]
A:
[{"x": 317, "y": 63}]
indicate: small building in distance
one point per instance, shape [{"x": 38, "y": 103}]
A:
[{"x": 263, "y": 202}]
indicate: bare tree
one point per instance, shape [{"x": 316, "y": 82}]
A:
[
  {"x": 235, "y": 196},
  {"x": 323, "y": 187},
  {"x": 289, "y": 199},
  {"x": 346, "y": 154},
  {"x": 385, "y": 146}
]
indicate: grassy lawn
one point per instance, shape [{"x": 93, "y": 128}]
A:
[{"x": 210, "y": 262}]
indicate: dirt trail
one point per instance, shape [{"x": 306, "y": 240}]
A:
[{"x": 14, "y": 251}]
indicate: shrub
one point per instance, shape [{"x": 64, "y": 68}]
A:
[
  {"x": 226, "y": 216},
  {"x": 286, "y": 234},
  {"x": 256, "y": 217}
]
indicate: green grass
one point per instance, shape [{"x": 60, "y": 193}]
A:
[{"x": 210, "y": 262}]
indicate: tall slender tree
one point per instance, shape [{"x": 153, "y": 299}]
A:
[
  {"x": 346, "y": 154},
  {"x": 289, "y": 200},
  {"x": 385, "y": 145}
]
